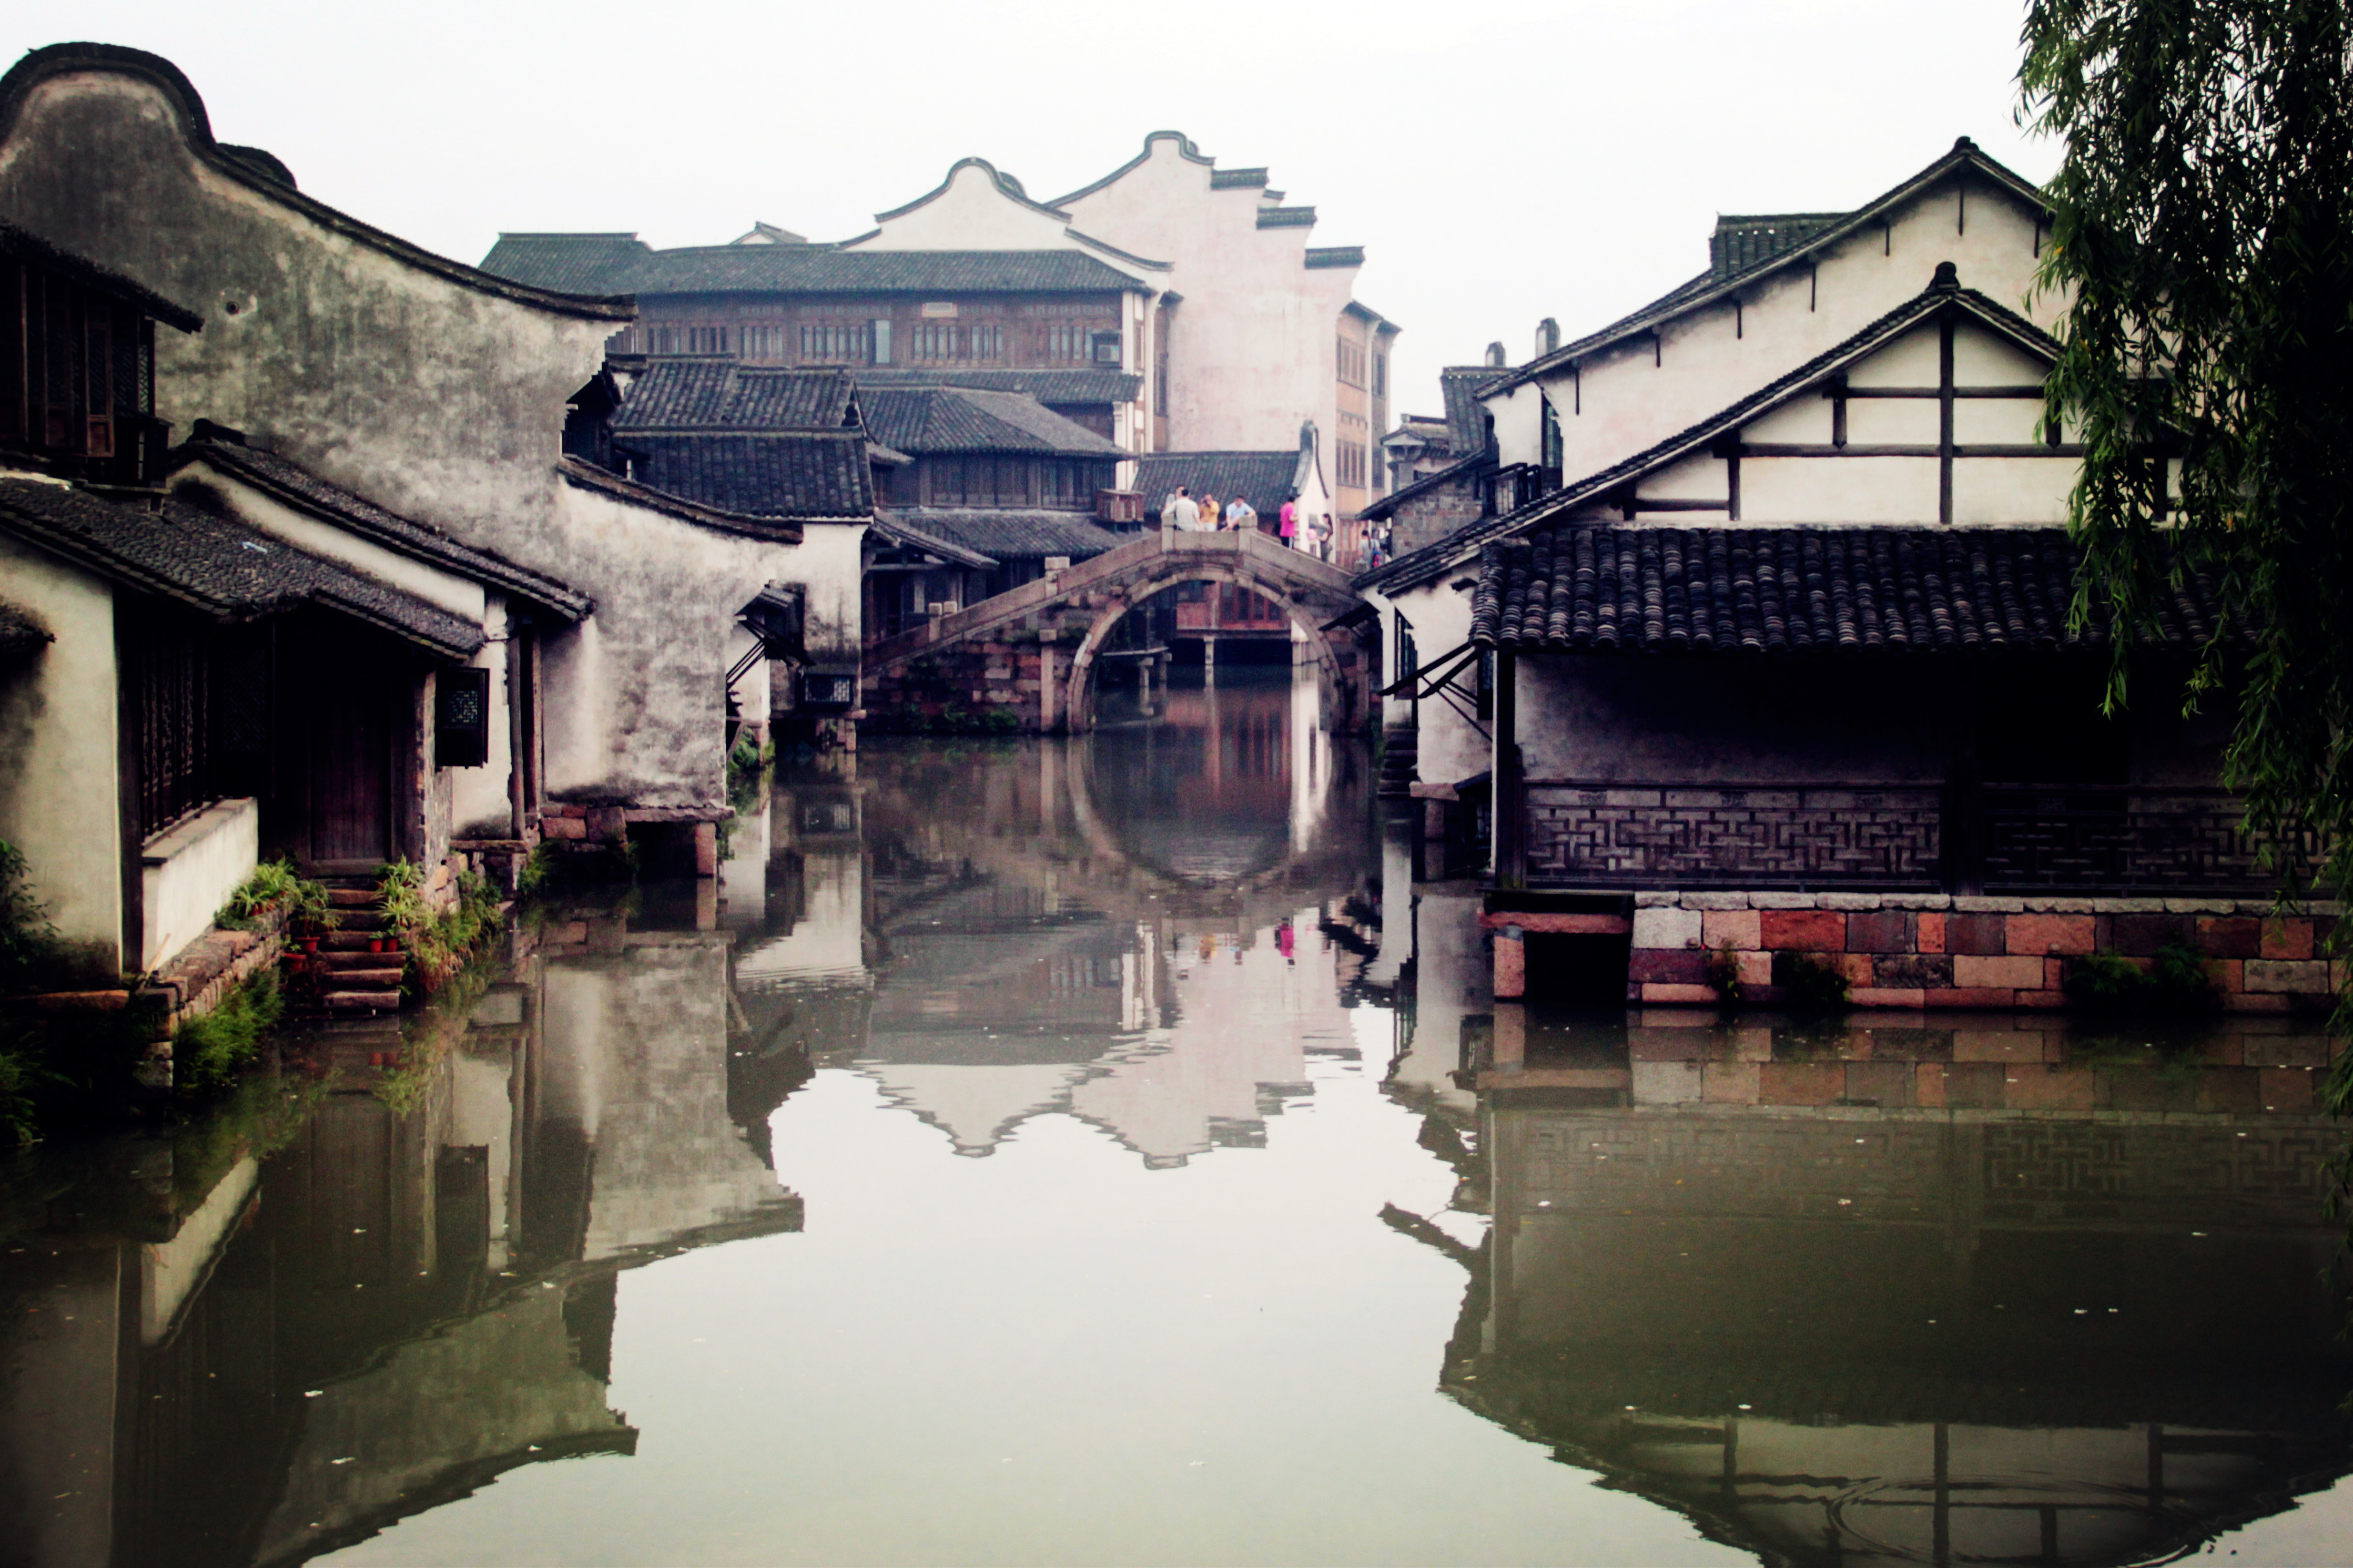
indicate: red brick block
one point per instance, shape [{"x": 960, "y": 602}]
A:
[
  {"x": 1662, "y": 995},
  {"x": 1817, "y": 931},
  {"x": 1969, "y": 996},
  {"x": 2287, "y": 938},
  {"x": 1881, "y": 930},
  {"x": 1668, "y": 965},
  {"x": 1931, "y": 930},
  {"x": 564, "y": 827},
  {"x": 2047, "y": 933},
  {"x": 1978, "y": 935},
  {"x": 2045, "y": 999},
  {"x": 2231, "y": 937},
  {"x": 2139, "y": 936},
  {"x": 1888, "y": 996}
]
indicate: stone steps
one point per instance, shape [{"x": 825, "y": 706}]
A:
[{"x": 360, "y": 1001}]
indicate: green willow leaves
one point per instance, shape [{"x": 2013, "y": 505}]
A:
[{"x": 2203, "y": 233}]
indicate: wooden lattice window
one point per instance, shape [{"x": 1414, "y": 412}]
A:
[{"x": 461, "y": 717}]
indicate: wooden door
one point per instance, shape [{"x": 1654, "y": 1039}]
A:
[{"x": 352, "y": 725}]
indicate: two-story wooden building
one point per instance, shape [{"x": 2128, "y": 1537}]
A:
[{"x": 1800, "y": 674}]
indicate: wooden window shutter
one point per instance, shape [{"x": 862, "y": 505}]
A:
[{"x": 461, "y": 719}]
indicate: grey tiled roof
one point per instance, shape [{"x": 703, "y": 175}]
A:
[
  {"x": 567, "y": 263},
  {"x": 1603, "y": 587},
  {"x": 1266, "y": 478},
  {"x": 1743, "y": 241},
  {"x": 616, "y": 264},
  {"x": 1006, "y": 532},
  {"x": 296, "y": 486},
  {"x": 923, "y": 419},
  {"x": 803, "y": 474},
  {"x": 722, "y": 394},
  {"x": 21, "y": 631},
  {"x": 1466, "y": 417},
  {"x": 895, "y": 527},
  {"x": 1048, "y": 387},
  {"x": 1433, "y": 560},
  {"x": 581, "y": 474},
  {"x": 1460, "y": 469},
  {"x": 217, "y": 566}
]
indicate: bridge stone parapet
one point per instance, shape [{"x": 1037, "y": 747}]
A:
[{"x": 1024, "y": 661}]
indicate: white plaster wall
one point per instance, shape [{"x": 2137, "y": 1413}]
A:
[
  {"x": 481, "y": 800},
  {"x": 1449, "y": 746},
  {"x": 1252, "y": 348},
  {"x": 59, "y": 801},
  {"x": 2012, "y": 489},
  {"x": 188, "y": 871},
  {"x": 1707, "y": 361},
  {"x": 826, "y": 565},
  {"x": 1838, "y": 489},
  {"x": 634, "y": 700}
]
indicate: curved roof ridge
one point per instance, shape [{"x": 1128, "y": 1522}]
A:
[
  {"x": 195, "y": 125},
  {"x": 1006, "y": 185},
  {"x": 1185, "y": 150}
]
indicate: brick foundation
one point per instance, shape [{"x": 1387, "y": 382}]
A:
[{"x": 1931, "y": 951}]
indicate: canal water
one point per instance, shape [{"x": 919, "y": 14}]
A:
[{"x": 1098, "y": 1151}]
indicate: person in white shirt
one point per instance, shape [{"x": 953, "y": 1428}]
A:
[
  {"x": 1240, "y": 516},
  {"x": 1183, "y": 513}
]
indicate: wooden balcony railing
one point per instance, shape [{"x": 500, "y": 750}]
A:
[{"x": 1999, "y": 839}]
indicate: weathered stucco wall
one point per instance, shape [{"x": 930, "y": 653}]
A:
[
  {"x": 438, "y": 399},
  {"x": 636, "y": 713},
  {"x": 188, "y": 872},
  {"x": 57, "y": 795}
]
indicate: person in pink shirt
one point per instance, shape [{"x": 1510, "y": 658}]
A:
[{"x": 1291, "y": 522}]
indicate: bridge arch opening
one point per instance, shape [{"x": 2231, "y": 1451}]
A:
[{"x": 1079, "y": 700}]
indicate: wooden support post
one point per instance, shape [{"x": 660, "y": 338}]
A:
[{"x": 1510, "y": 809}]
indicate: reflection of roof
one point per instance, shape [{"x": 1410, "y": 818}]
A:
[
  {"x": 926, "y": 419},
  {"x": 616, "y": 264},
  {"x": 804, "y": 475},
  {"x": 1007, "y": 531},
  {"x": 294, "y": 485},
  {"x": 1050, "y": 386},
  {"x": 21, "y": 631},
  {"x": 1600, "y": 587},
  {"x": 722, "y": 391},
  {"x": 219, "y": 566},
  {"x": 1266, "y": 478}
]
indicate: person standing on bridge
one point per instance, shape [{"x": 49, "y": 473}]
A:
[
  {"x": 1291, "y": 523},
  {"x": 1240, "y": 516},
  {"x": 1209, "y": 523},
  {"x": 1180, "y": 512}
]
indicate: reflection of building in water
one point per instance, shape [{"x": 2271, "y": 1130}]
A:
[
  {"x": 258, "y": 1360},
  {"x": 1041, "y": 926},
  {"x": 1848, "y": 1332}
]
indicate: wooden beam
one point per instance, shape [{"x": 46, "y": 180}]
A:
[
  {"x": 1945, "y": 331},
  {"x": 2014, "y": 391},
  {"x": 1894, "y": 449}
]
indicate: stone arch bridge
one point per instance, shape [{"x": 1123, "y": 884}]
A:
[{"x": 1032, "y": 652}]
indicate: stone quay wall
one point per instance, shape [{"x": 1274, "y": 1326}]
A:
[{"x": 1938, "y": 950}]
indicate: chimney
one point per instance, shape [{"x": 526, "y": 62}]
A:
[
  {"x": 1548, "y": 337},
  {"x": 1496, "y": 355}
]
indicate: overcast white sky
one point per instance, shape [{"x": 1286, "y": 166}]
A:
[{"x": 1501, "y": 160}]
